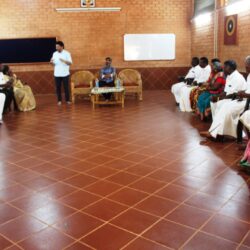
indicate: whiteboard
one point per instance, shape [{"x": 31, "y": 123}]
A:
[{"x": 143, "y": 47}]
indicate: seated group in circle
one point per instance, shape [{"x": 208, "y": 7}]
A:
[{"x": 220, "y": 92}]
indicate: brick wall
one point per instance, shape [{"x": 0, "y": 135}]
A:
[
  {"x": 90, "y": 37},
  {"x": 203, "y": 38}
]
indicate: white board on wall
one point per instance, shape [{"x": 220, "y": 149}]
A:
[{"x": 149, "y": 47}]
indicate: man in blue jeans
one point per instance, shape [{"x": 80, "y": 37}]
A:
[
  {"x": 62, "y": 61},
  {"x": 107, "y": 77}
]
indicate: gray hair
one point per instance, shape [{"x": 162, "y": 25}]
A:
[{"x": 248, "y": 60}]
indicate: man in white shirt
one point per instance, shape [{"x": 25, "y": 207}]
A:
[
  {"x": 3, "y": 84},
  {"x": 189, "y": 78},
  {"x": 62, "y": 61},
  {"x": 201, "y": 77},
  {"x": 227, "y": 112}
]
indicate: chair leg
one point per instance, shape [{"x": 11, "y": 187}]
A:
[
  {"x": 140, "y": 96},
  {"x": 73, "y": 98}
]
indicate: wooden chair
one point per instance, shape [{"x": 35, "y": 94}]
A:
[
  {"x": 131, "y": 80},
  {"x": 81, "y": 83}
]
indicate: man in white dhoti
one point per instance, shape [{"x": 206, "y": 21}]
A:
[
  {"x": 201, "y": 77},
  {"x": 228, "y": 110},
  {"x": 244, "y": 121},
  {"x": 189, "y": 78}
]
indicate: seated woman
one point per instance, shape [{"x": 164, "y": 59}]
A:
[
  {"x": 23, "y": 94},
  {"x": 197, "y": 91},
  {"x": 202, "y": 77},
  {"x": 215, "y": 87}
]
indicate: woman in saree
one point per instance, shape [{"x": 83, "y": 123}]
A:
[
  {"x": 197, "y": 91},
  {"x": 22, "y": 92},
  {"x": 214, "y": 88}
]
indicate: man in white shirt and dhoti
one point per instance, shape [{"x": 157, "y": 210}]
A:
[
  {"x": 189, "y": 78},
  {"x": 201, "y": 77},
  {"x": 227, "y": 112}
]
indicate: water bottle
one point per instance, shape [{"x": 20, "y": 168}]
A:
[
  {"x": 97, "y": 83},
  {"x": 118, "y": 83}
]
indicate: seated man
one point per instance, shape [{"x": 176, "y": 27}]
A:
[
  {"x": 227, "y": 112},
  {"x": 189, "y": 78},
  {"x": 6, "y": 89},
  {"x": 202, "y": 77},
  {"x": 107, "y": 77},
  {"x": 2, "y": 101}
]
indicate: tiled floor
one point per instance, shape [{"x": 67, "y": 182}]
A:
[{"x": 137, "y": 179}]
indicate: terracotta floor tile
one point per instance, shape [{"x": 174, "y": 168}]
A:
[
  {"x": 144, "y": 244},
  {"x": 189, "y": 216},
  {"x": 103, "y": 188},
  {"x": 207, "y": 202},
  {"x": 207, "y": 242},
  {"x": 119, "y": 164},
  {"x": 236, "y": 210},
  {"x": 169, "y": 234},
  {"x": 164, "y": 175},
  {"x": 38, "y": 182},
  {"x": 4, "y": 243},
  {"x": 79, "y": 199},
  {"x": 101, "y": 172},
  {"x": 30, "y": 162},
  {"x": 108, "y": 237},
  {"x": 134, "y": 221},
  {"x": 64, "y": 161},
  {"x": 157, "y": 206},
  {"x": 81, "y": 166},
  {"x": 45, "y": 168},
  {"x": 191, "y": 182},
  {"x": 128, "y": 196},
  {"x": 123, "y": 178},
  {"x": 31, "y": 202},
  {"x": 219, "y": 189},
  {"x": 78, "y": 225},
  {"x": 140, "y": 169},
  {"x": 80, "y": 180},
  {"x": 61, "y": 174},
  {"x": 52, "y": 213},
  {"x": 147, "y": 185},
  {"x": 176, "y": 193},
  {"x": 8, "y": 213},
  {"x": 105, "y": 209},
  {"x": 78, "y": 246},
  {"x": 21, "y": 228},
  {"x": 14, "y": 192},
  {"x": 49, "y": 238},
  {"x": 227, "y": 228},
  {"x": 247, "y": 240},
  {"x": 57, "y": 190}
]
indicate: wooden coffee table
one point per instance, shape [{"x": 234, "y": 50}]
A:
[{"x": 119, "y": 96}]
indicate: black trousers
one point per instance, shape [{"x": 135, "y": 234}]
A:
[
  {"x": 106, "y": 84},
  {"x": 65, "y": 81},
  {"x": 9, "y": 93}
]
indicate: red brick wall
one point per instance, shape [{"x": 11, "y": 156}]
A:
[
  {"x": 203, "y": 38},
  {"x": 90, "y": 37}
]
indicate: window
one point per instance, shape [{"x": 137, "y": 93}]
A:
[{"x": 203, "y": 6}]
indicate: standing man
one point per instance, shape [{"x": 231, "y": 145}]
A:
[
  {"x": 107, "y": 76},
  {"x": 62, "y": 61}
]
